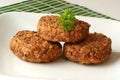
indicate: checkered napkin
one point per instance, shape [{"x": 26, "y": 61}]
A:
[{"x": 51, "y": 6}]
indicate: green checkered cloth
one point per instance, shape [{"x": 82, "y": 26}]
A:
[{"x": 51, "y": 6}]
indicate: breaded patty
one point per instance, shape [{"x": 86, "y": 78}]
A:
[
  {"x": 29, "y": 46},
  {"x": 95, "y": 49},
  {"x": 50, "y": 30}
]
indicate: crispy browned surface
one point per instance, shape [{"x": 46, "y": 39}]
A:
[
  {"x": 49, "y": 29},
  {"x": 29, "y": 46},
  {"x": 95, "y": 49}
]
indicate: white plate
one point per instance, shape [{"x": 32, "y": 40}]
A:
[{"x": 13, "y": 68}]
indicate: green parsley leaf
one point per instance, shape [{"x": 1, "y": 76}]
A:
[{"x": 67, "y": 19}]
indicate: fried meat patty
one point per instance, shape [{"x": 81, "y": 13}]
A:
[
  {"x": 93, "y": 50},
  {"x": 29, "y": 46},
  {"x": 49, "y": 29}
]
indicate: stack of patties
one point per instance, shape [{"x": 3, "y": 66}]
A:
[
  {"x": 43, "y": 45},
  {"x": 80, "y": 45}
]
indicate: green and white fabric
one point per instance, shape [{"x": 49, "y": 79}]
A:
[{"x": 51, "y": 6}]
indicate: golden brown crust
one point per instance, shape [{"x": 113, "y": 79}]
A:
[
  {"x": 29, "y": 46},
  {"x": 95, "y": 49},
  {"x": 49, "y": 29}
]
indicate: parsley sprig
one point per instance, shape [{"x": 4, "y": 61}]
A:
[{"x": 67, "y": 20}]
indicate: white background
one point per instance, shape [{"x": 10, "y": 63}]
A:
[{"x": 107, "y": 7}]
